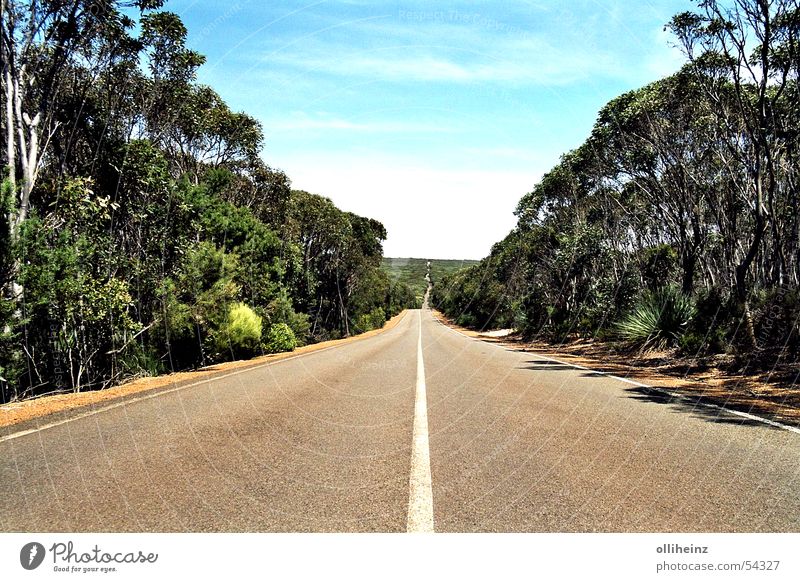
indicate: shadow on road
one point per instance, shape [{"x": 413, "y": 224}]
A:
[
  {"x": 545, "y": 365},
  {"x": 693, "y": 406},
  {"x": 773, "y": 394}
]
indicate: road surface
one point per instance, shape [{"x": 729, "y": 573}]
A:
[{"x": 337, "y": 440}]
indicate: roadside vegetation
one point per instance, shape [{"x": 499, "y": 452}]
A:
[
  {"x": 676, "y": 224},
  {"x": 142, "y": 232}
]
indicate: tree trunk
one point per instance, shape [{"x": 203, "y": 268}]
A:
[
  {"x": 742, "y": 288},
  {"x": 689, "y": 263},
  {"x": 10, "y": 142}
]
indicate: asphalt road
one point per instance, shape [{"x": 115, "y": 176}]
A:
[{"x": 323, "y": 442}]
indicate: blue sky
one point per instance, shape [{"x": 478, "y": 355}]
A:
[{"x": 434, "y": 118}]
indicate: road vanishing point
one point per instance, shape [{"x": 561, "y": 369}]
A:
[{"x": 419, "y": 428}]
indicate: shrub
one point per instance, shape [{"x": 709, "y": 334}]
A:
[
  {"x": 372, "y": 320},
  {"x": 465, "y": 320},
  {"x": 659, "y": 319},
  {"x": 241, "y": 331},
  {"x": 695, "y": 343},
  {"x": 281, "y": 310},
  {"x": 280, "y": 338},
  {"x": 401, "y": 296},
  {"x": 709, "y": 330}
]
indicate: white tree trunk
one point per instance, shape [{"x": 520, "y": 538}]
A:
[
  {"x": 10, "y": 143},
  {"x": 28, "y": 147}
]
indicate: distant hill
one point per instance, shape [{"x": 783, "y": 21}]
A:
[{"x": 412, "y": 271}]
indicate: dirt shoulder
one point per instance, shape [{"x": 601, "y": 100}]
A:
[
  {"x": 27, "y": 410},
  {"x": 772, "y": 394}
]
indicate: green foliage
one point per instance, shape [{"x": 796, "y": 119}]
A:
[
  {"x": 194, "y": 307},
  {"x": 10, "y": 359},
  {"x": 281, "y": 310},
  {"x": 659, "y": 319},
  {"x": 695, "y": 343},
  {"x": 401, "y": 296},
  {"x": 658, "y": 266},
  {"x": 280, "y": 338},
  {"x": 77, "y": 317},
  {"x": 369, "y": 321},
  {"x": 778, "y": 320},
  {"x": 241, "y": 331},
  {"x": 338, "y": 278},
  {"x": 710, "y": 329},
  {"x": 369, "y": 301}
]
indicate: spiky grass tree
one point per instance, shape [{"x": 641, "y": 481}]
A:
[{"x": 658, "y": 320}]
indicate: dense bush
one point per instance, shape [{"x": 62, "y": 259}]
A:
[
  {"x": 241, "y": 331},
  {"x": 281, "y": 310},
  {"x": 778, "y": 320},
  {"x": 659, "y": 264},
  {"x": 280, "y": 338},
  {"x": 372, "y": 320}
]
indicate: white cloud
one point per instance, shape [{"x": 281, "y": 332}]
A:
[
  {"x": 455, "y": 46},
  {"x": 301, "y": 121},
  {"x": 521, "y": 62}
]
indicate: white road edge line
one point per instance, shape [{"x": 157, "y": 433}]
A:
[
  {"x": 420, "y": 492},
  {"x": 160, "y": 393},
  {"x": 658, "y": 389}
]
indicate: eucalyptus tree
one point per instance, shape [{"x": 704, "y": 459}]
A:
[
  {"x": 750, "y": 47},
  {"x": 659, "y": 142},
  {"x": 41, "y": 42}
]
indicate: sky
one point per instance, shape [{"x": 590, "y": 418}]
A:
[{"x": 433, "y": 117}]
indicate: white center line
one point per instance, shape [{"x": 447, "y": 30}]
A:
[{"x": 420, "y": 494}]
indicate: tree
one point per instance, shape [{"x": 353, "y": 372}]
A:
[
  {"x": 40, "y": 40},
  {"x": 747, "y": 47},
  {"x": 658, "y": 141}
]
